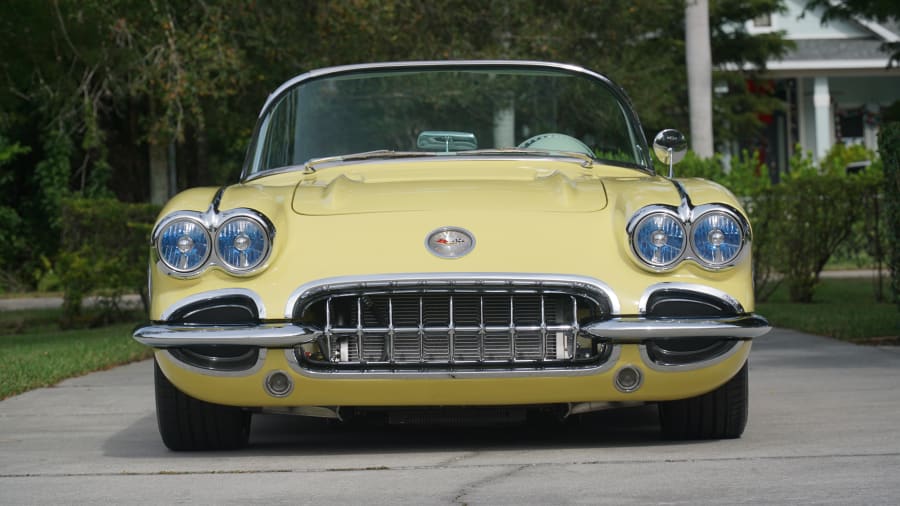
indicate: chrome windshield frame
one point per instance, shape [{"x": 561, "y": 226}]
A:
[{"x": 624, "y": 101}]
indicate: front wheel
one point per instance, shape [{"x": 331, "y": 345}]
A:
[
  {"x": 720, "y": 414},
  {"x": 186, "y": 423}
]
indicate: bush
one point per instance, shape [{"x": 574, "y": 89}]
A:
[
  {"x": 799, "y": 223},
  {"x": 889, "y": 148},
  {"x": 104, "y": 252},
  {"x": 817, "y": 213}
]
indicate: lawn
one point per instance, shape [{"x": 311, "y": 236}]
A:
[
  {"x": 35, "y": 353},
  {"x": 841, "y": 308}
]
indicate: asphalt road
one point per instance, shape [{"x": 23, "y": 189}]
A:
[{"x": 824, "y": 428}]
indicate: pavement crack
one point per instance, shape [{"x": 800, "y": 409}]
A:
[
  {"x": 487, "y": 480},
  {"x": 443, "y": 465}
]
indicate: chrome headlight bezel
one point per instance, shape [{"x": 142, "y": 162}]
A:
[
  {"x": 637, "y": 226},
  {"x": 212, "y": 223},
  {"x": 258, "y": 245},
  {"x": 691, "y": 219},
  {"x": 740, "y": 227},
  {"x": 163, "y": 249}
]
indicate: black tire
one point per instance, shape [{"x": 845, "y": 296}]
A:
[
  {"x": 186, "y": 423},
  {"x": 720, "y": 414}
]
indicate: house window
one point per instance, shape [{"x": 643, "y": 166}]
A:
[
  {"x": 850, "y": 126},
  {"x": 763, "y": 21}
]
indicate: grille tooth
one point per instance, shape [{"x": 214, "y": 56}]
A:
[{"x": 449, "y": 326}]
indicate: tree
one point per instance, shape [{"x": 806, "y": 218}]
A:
[
  {"x": 105, "y": 92},
  {"x": 698, "y": 53}
]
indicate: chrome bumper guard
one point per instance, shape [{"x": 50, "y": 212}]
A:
[
  {"x": 269, "y": 335},
  {"x": 638, "y": 329},
  {"x": 615, "y": 330}
]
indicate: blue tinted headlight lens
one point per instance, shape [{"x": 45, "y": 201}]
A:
[
  {"x": 183, "y": 245},
  {"x": 242, "y": 243},
  {"x": 659, "y": 240},
  {"x": 717, "y": 238}
]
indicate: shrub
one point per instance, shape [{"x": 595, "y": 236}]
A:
[
  {"x": 799, "y": 223},
  {"x": 815, "y": 215},
  {"x": 889, "y": 148},
  {"x": 104, "y": 251}
]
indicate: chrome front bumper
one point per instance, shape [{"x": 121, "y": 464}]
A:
[{"x": 617, "y": 330}]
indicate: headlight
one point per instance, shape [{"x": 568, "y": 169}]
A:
[
  {"x": 717, "y": 239},
  {"x": 183, "y": 245},
  {"x": 659, "y": 239},
  {"x": 242, "y": 243}
]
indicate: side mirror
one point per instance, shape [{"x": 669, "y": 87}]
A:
[{"x": 670, "y": 146}]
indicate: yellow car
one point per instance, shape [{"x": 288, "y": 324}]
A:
[{"x": 450, "y": 240}]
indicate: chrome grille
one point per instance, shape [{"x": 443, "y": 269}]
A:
[{"x": 441, "y": 326}]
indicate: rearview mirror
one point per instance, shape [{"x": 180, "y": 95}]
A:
[{"x": 433, "y": 140}]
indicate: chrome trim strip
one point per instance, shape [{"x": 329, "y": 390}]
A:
[
  {"x": 260, "y": 360},
  {"x": 684, "y": 208},
  {"x": 462, "y": 374},
  {"x": 482, "y": 279},
  {"x": 645, "y": 357},
  {"x": 272, "y": 335},
  {"x": 535, "y": 159},
  {"x": 637, "y": 329},
  {"x": 688, "y": 287},
  {"x": 213, "y": 295}
]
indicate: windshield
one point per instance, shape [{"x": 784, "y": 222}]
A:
[{"x": 446, "y": 110}]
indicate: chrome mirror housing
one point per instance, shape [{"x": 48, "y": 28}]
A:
[{"x": 669, "y": 145}]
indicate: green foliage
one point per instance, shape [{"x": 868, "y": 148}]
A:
[
  {"x": 817, "y": 214},
  {"x": 117, "y": 77},
  {"x": 800, "y": 223},
  {"x": 10, "y": 221},
  {"x": 889, "y": 147},
  {"x": 104, "y": 252},
  {"x": 52, "y": 174}
]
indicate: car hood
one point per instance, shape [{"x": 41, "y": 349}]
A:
[{"x": 434, "y": 185}]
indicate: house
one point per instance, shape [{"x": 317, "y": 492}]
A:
[{"x": 835, "y": 83}]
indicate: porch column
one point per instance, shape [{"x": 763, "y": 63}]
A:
[{"x": 822, "y": 103}]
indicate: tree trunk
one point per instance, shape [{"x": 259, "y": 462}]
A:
[
  {"x": 698, "y": 55},
  {"x": 159, "y": 172}
]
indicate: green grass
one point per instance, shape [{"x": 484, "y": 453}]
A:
[
  {"x": 841, "y": 308},
  {"x": 42, "y": 355}
]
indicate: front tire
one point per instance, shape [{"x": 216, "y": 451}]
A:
[
  {"x": 187, "y": 424},
  {"x": 720, "y": 414}
]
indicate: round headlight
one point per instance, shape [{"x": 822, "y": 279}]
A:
[
  {"x": 659, "y": 240},
  {"x": 183, "y": 245},
  {"x": 717, "y": 238},
  {"x": 242, "y": 243}
]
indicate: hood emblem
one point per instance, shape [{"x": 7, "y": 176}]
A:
[{"x": 450, "y": 242}]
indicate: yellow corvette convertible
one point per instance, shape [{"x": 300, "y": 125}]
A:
[{"x": 450, "y": 239}]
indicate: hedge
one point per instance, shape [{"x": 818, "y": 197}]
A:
[
  {"x": 104, "y": 251},
  {"x": 889, "y": 149},
  {"x": 799, "y": 223}
]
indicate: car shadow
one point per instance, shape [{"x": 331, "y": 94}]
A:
[{"x": 282, "y": 435}]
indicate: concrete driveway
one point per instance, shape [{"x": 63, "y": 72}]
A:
[{"x": 824, "y": 428}]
